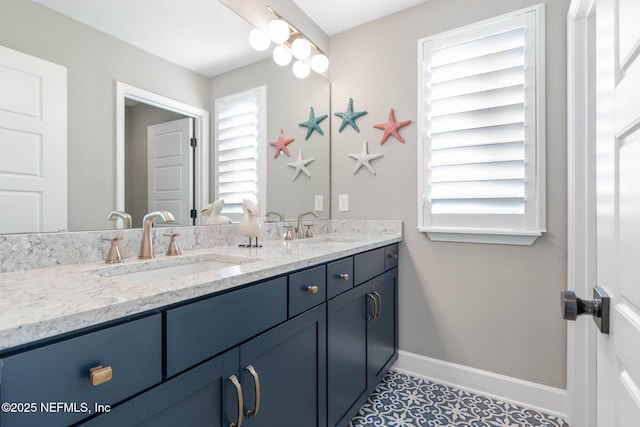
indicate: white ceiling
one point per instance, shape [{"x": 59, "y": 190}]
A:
[{"x": 204, "y": 35}]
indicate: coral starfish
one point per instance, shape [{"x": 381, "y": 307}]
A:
[
  {"x": 391, "y": 127},
  {"x": 281, "y": 145}
]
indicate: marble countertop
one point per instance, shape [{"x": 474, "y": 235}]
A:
[{"x": 45, "y": 302}]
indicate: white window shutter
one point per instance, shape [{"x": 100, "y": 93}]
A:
[
  {"x": 480, "y": 121},
  {"x": 240, "y": 140}
]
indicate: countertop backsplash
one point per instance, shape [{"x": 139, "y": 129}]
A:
[{"x": 20, "y": 252}]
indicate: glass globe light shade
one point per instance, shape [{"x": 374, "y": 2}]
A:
[
  {"x": 301, "y": 48},
  {"x": 278, "y": 31},
  {"x": 319, "y": 63},
  {"x": 282, "y": 55},
  {"x": 300, "y": 69},
  {"x": 259, "y": 40}
]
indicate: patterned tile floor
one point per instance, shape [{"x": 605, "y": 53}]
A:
[{"x": 404, "y": 401}]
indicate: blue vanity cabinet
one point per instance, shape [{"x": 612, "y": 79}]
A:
[
  {"x": 280, "y": 381},
  {"x": 202, "y": 329},
  {"x": 362, "y": 338},
  {"x": 284, "y": 370},
  {"x": 202, "y": 396},
  {"x": 64, "y": 382},
  {"x": 347, "y": 352},
  {"x": 382, "y": 330}
]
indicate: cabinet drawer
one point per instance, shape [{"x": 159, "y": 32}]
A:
[
  {"x": 391, "y": 256},
  {"x": 198, "y": 331},
  {"x": 339, "y": 277},
  {"x": 307, "y": 289},
  {"x": 60, "y": 372},
  {"x": 368, "y": 265}
]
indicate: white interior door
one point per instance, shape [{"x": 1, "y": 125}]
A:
[
  {"x": 618, "y": 208},
  {"x": 169, "y": 169},
  {"x": 33, "y": 144}
]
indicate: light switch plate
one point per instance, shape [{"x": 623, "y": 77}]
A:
[
  {"x": 343, "y": 202},
  {"x": 318, "y": 203}
]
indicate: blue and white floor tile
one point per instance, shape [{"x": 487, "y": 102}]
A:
[{"x": 404, "y": 401}]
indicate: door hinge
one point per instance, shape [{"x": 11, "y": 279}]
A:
[
  {"x": 194, "y": 142},
  {"x": 194, "y": 213}
]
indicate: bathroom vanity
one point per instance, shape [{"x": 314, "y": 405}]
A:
[{"x": 297, "y": 334}]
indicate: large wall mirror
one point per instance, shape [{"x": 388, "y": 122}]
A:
[{"x": 96, "y": 61}]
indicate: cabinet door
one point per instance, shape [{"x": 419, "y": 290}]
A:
[
  {"x": 203, "y": 396},
  {"x": 288, "y": 384},
  {"x": 347, "y": 351},
  {"x": 382, "y": 332}
]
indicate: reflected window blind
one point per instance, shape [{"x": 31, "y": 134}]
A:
[
  {"x": 480, "y": 108},
  {"x": 238, "y": 136}
]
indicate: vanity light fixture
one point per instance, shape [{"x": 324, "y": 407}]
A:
[
  {"x": 259, "y": 40},
  {"x": 290, "y": 43}
]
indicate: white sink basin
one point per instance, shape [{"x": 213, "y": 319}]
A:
[{"x": 172, "y": 268}]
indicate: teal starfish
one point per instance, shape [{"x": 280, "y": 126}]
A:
[
  {"x": 349, "y": 117},
  {"x": 313, "y": 124}
]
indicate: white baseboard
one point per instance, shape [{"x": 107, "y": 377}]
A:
[{"x": 550, "y": 400}]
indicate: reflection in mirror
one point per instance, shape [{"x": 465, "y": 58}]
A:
[{"x": 95, "y": 61}]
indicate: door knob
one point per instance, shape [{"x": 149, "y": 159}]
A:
[{"x": 598, "y": 307}]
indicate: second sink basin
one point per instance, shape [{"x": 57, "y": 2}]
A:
[{"x": 171, "y": 268}]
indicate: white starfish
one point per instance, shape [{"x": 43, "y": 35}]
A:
[
  {"x": 300, "y": 165},
  {"x": 364, "y": 158}
]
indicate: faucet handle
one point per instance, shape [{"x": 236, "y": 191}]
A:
[
  {"x": 288, "y": 235},
  {"x": 114, "y": 255},
  {"x": 308, "y": 234},
  {"x": 173, "y": 245}
]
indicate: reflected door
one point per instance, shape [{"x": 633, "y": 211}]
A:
[
  {"x": 33, "y": 144},
  {"x": 169, "y": 172}
]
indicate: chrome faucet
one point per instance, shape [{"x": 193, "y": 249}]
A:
[
  {"x": 126, "y": 218},
  {"x": 280, "y": 215},
  {"x": 146, "y": 247},
  {"x": 299, "y": 232}
]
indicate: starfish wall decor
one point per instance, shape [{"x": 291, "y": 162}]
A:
[
  {"x": 301, "y": 166},
  {"x": 391, "y": 127},
  {"x": 281, "y": 145},
  {"x": 349, "y": 117},
  {"x": 364, "y": 158},
  {"x": 313, "y": 124}
]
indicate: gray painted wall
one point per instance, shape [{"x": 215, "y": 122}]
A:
[
  {"x": 288, "y": 103},
  {"x": 490, "y": 307}
]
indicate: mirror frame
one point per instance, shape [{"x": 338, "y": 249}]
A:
[{"x": 201, "y": 123}]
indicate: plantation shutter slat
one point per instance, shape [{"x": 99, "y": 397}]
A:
[{"x": 477, "y": 125}]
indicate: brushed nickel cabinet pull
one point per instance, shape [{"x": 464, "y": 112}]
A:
[
  {"x": 234, "y": 380},
  {"x": 100, "y": 375},
  {"x": 375, "y": 307},
  {"x": 312, "y": 289},
  {"x": 393, "y": 256},
  {"x": 256, "y": 381},
  {"x": 343, "y": 276},
  {"x": 379, "y": 305}
]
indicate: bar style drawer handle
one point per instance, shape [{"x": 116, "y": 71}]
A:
[
  {"x": 100, "y": 375},
  {"x": 312, "y": 289},
  {"x": 256, "y": 382},
  {"x": 375, "y": 307},
  {"x": 343, "y": 276},
  {"x": 234, "y": 380}
]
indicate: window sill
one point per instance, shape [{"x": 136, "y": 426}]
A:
[{"x": 482, "y": 235}]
